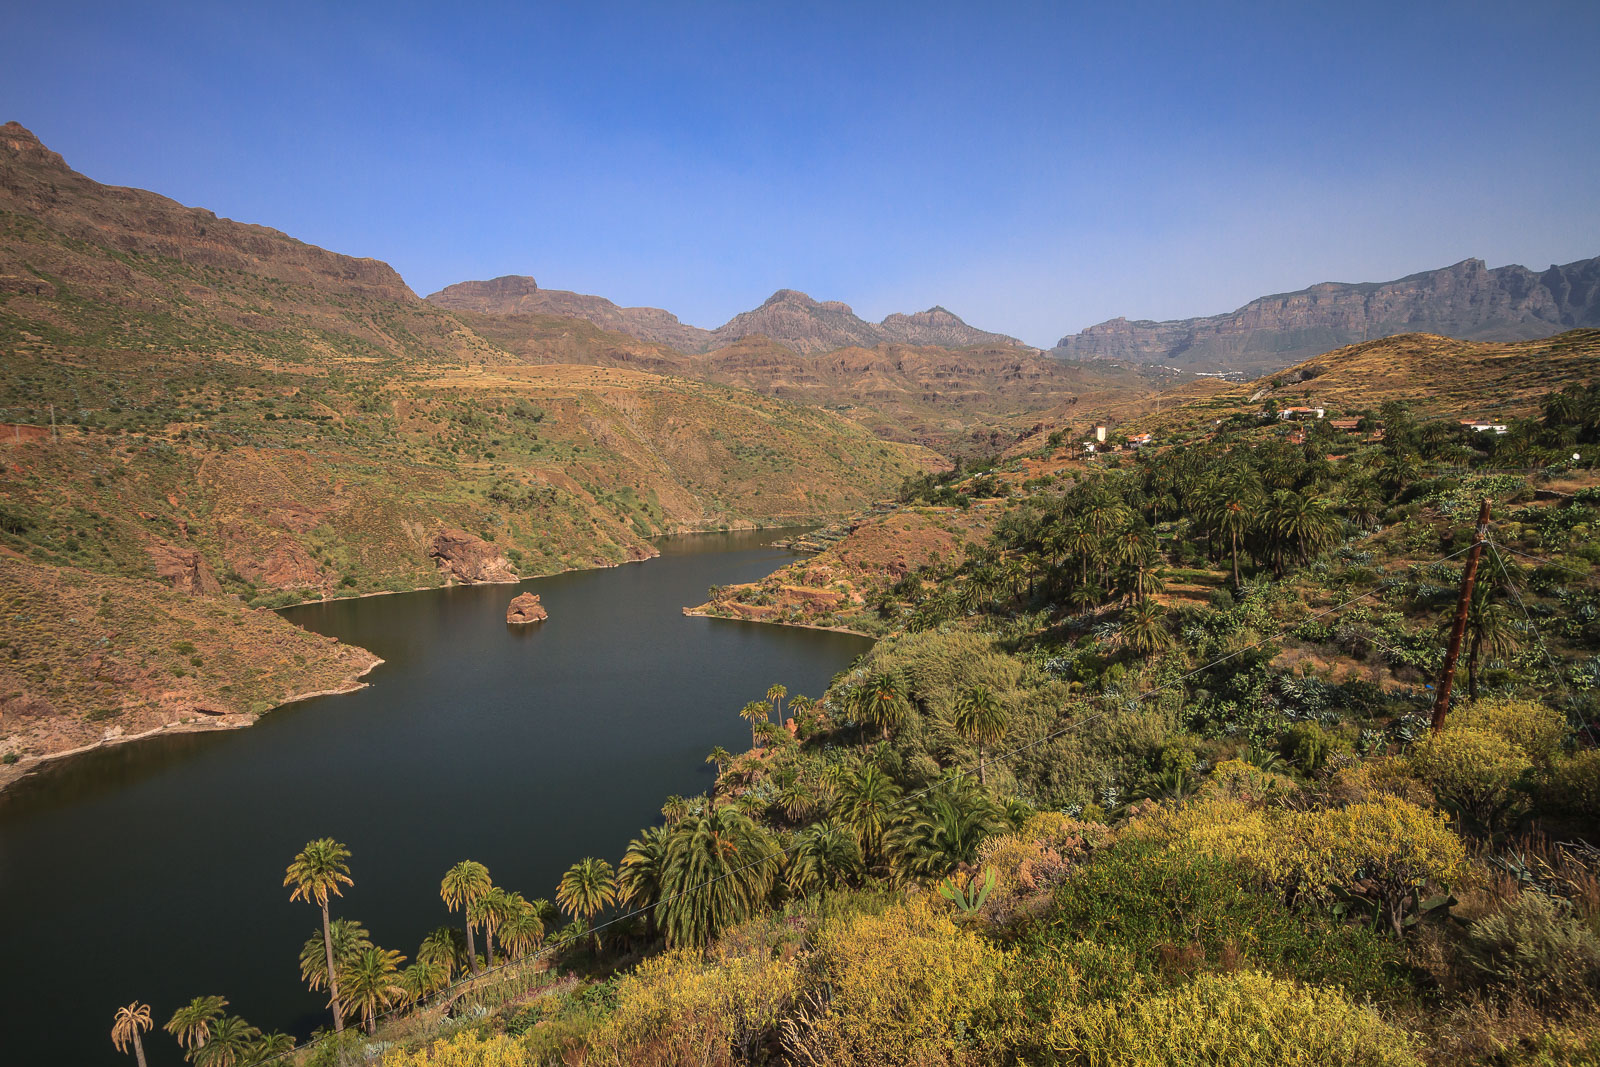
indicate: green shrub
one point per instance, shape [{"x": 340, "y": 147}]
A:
[
  {"x": 1535, "y": 948},
  {"x": 1308, "y": 746},
  {"x": 1538, "y": 730},
  {"x": 1573, "y": 785},
  {"x": 1177, "y": 912}
]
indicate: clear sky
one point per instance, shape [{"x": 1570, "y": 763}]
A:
[{"x": 1035, "y": 168}]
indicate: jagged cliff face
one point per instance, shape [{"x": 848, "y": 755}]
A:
[
  {"x": 788, "y": 317},
  {"x": 517, "y": 294},
  {"x": 1466, "y": 300}
]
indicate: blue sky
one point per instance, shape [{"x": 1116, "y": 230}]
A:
[{"x": 1035, "y": 168}]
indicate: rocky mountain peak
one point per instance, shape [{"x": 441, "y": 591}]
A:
[{"x": 19, "y": 142}]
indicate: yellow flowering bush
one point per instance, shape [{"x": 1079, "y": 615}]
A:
[
  {"x": 679, "y": 1008},
  {"x": 1475, "y": 771},
  {"x": 1535, "y": 729},
  {"x": 1240, "y": 1019},
  {"x": 463, "y": 1050},
  {"x": 905, "y": 987},
  {"x": 1384, "y": 850}
]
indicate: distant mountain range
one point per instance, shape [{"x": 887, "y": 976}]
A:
[
  {"x": 788, "y": 317},
  {"x": 1467, "y": 301}
]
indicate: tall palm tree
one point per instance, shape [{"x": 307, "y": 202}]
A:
[
  {"x": 489, "y": 911},
  {"x": 882, "y": 700},
  {"x": 229, "y": 1044},
  {"x": 372, "y": 983},
  {"x": 1299, "y": 522},
  {"x": 775, "y": 695},
  {"x": 131, "y": 1021},
  {"x": 980, "y": 720},
  {"x": 319, "y": 870},
  {"x": 1231, "y": 510},
  {"x": 191, "y": 1024},
  {"x": 463, "y": 886},
  {"x": 755, "y": 713},
  {"x": 588, "y": 886},
  {"x": 718, "y": 868},
  {"x": 348, "y": 936}
]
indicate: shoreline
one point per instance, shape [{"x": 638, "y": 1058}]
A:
[
  {"x": 696, "y": 613},
  {"x": 10, "y": 774}
]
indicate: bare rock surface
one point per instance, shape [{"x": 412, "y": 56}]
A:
[
  {"x": 525, "y": 608},
  {"x": 470, "y": 560}
]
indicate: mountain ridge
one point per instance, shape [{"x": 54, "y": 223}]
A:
[
  {"x": 1466, "y": 300},
  {"x": 788, "y": 317}
]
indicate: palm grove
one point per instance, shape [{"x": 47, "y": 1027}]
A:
[{"x": 1161, "y": 743}]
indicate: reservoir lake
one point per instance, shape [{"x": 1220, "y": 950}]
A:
[{"x": 153, "y": 870}]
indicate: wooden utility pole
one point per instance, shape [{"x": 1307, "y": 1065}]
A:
[{"x": 1441, "y": 700}]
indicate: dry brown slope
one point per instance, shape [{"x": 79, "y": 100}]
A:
[{"x": 87, "y": 659}]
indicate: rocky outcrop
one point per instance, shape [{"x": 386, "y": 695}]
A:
[
  {"x": 1467, "y": 301},
  {"x": 183, "y": 568},
  {"x": 525, "y": 608},
  {"x": 470, "y": 560}
]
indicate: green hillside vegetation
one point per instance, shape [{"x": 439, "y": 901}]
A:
[{"x": 1145, "y": 777}]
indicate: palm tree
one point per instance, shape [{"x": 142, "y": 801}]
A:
[
  {"x": 720, "y": 757},
  {"x": 718, "y": 868},
  {"x": 130, "y": 1022},
  {"x": 191, "y": 1024},
  {"x": 446, "y": 948},
  {"x": 522, "y": 931},
  {"x": 868, "y": 804},
  {"x": 1230, "y": 509},
  {"x": 463, "y": 886},
  {"x": 820, "y": 857},
  {"x": 1491, "y": 631},
  {"x": 588, "y": 886},
  {"x": 489, "y": 911},
  {"x": 775, "y": 694},
  {"x": 423, "y": 980},
  {"x": 348, "y": 937},
  {"x": 639, "y": 872},
  {"x": 270, "y": 1047},
  {"x": 1301, "y": 521},
  {"x": 319, "y": 870},
  {"x": 372, "y": 983},
  {"x": 755, "y": 713},
  {"x": 949, "y": 826},
  {"x": 1144, "y": 629},
  {"x": 980, "y": 720},
  {"x": 882, "y": 700},
  {"x": 229, "y": 1044}
]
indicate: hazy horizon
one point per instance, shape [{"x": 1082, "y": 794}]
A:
[{"x": 1035, "y": 170}]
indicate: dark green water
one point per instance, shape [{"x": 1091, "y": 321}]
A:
[{"x": 153, "y": 871}]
